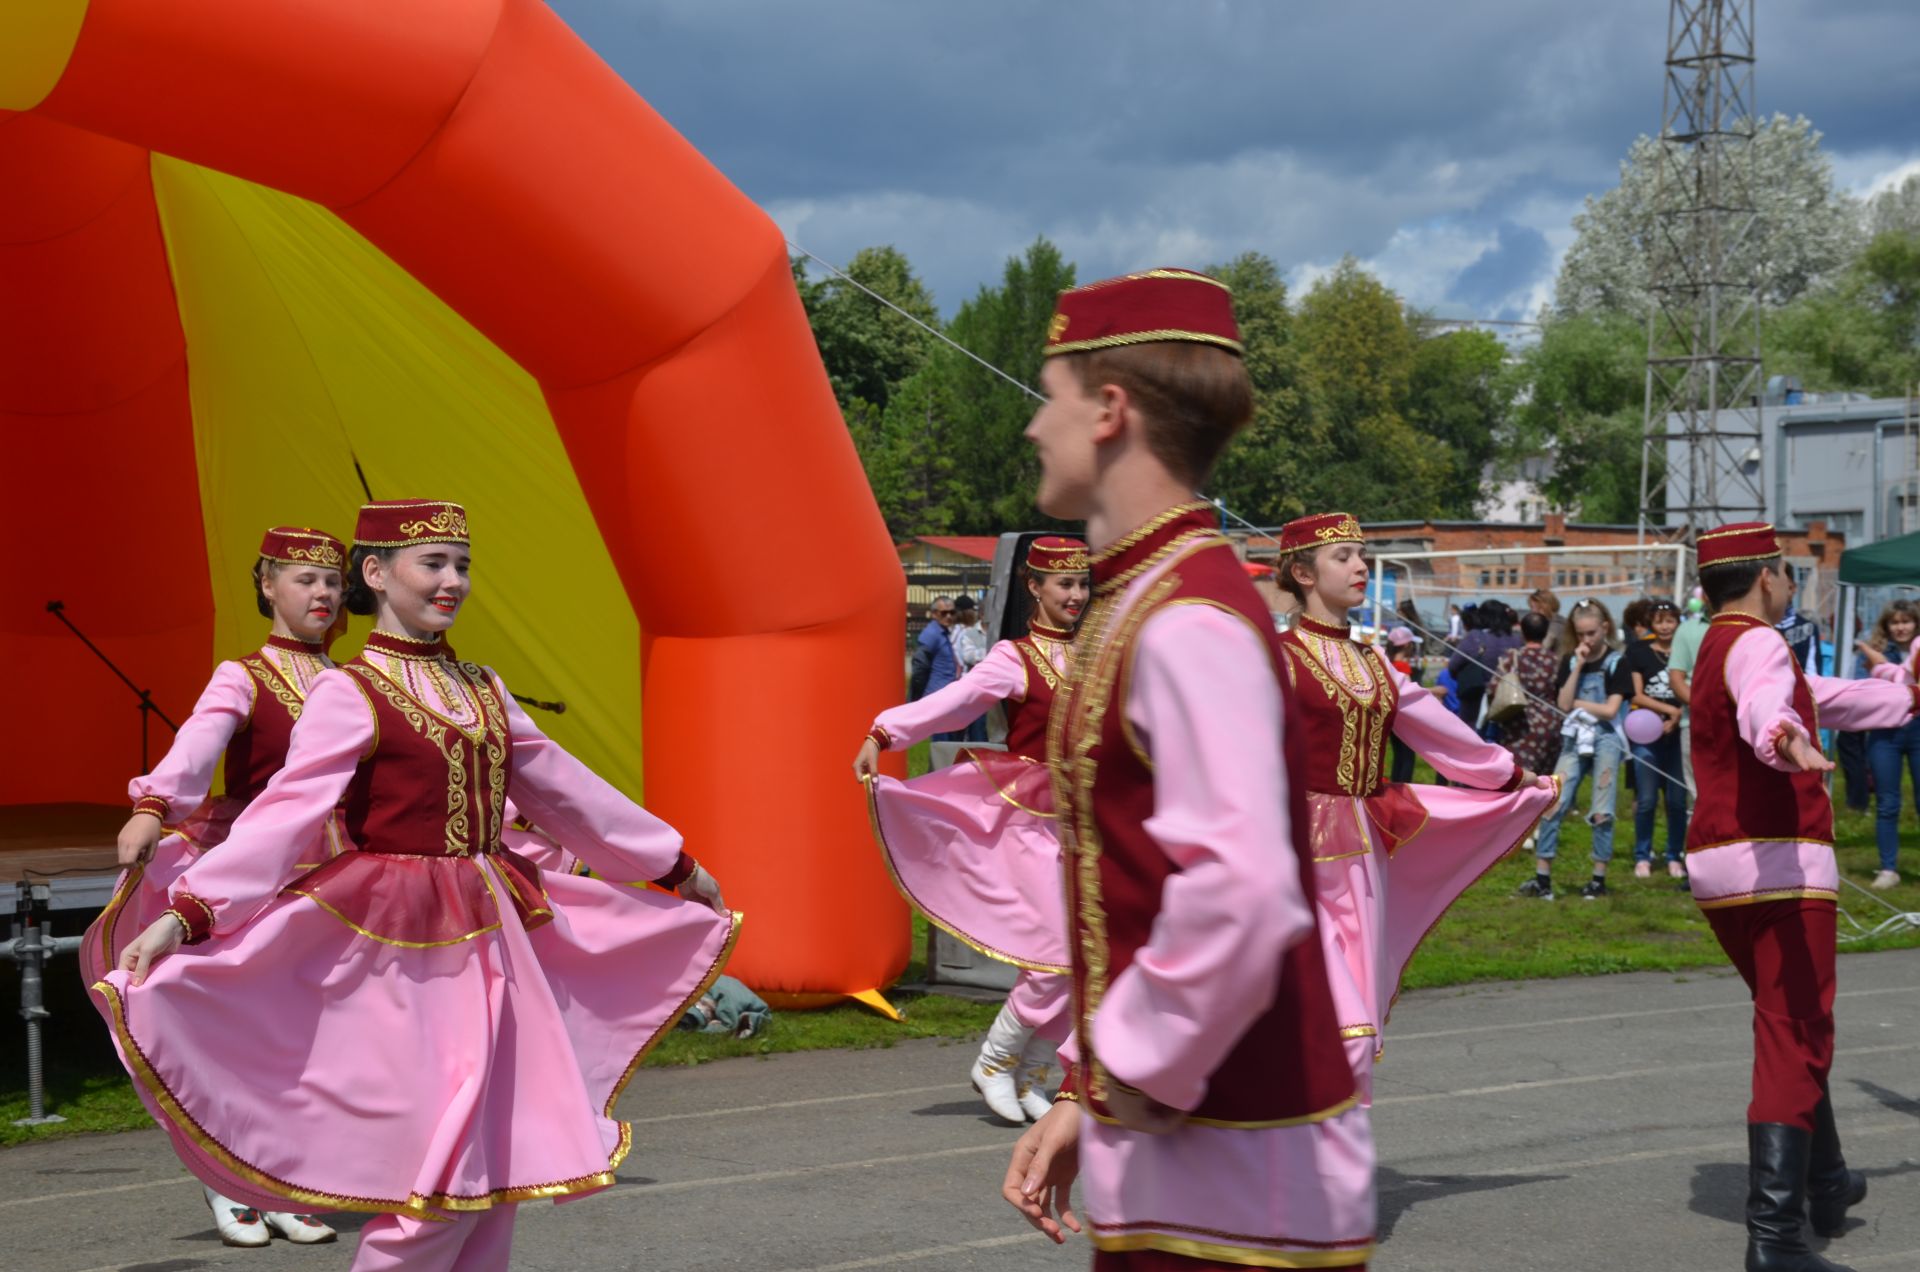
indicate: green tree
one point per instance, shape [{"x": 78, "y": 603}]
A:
[
  {"x": 986, "y": 415},
  {"x": 1267, "y": 473},
  {"x": 1580, "y": 397},
  {"x": 1861, "y": 334},
  {"x": 1460, "y": 393},
  {"x": 1357, "y": 356},
  {"x": 1807, "y": 230},
  {"x": 869, "y": 350}
]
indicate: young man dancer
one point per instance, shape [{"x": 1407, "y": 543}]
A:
[
  {"x": 1760, "y": 859},
  {"x": 1209, "y": 1100}
]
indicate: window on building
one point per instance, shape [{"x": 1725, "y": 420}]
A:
[{"x": 1485, "y": 578}]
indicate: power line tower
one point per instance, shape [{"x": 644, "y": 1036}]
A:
[{"x": 1701, "y": 456}]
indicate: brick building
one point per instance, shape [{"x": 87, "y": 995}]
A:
[{"x": 1512, "y": 561}]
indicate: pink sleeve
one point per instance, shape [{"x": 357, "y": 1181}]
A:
[
  {"x": 1443, "y": 739},
  {"x": 1759, "y": 675},
  {"x": 618, "y": 839},
  {"x": 181, "y": 780},
  {"x": 1863, "y": 704},
  {"x": 1002, "y": 674},
  {"x": 1892, "y": 672},
  {"x": 268, "y": 840},
  {"x": 1206, "y": 707}
]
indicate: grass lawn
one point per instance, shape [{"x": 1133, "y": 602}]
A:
[{"x": 1646, "y": 925}]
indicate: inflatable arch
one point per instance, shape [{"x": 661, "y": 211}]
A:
[{"x": 248, "y": 246}]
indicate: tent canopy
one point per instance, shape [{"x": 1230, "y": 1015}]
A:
[{"x": 1888, "y": 563}]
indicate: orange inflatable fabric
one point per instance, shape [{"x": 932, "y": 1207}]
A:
[{"x": 497, "y": 160}]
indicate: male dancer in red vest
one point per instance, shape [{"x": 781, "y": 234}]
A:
[
  {"x": 1760, "y": 857},
  {"x": 1209, "y": 1109}
]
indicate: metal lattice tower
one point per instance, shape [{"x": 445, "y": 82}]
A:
[{"x": 1701, "y": 456}]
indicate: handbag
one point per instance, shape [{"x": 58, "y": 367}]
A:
[{"x": 1509, "y": 701}]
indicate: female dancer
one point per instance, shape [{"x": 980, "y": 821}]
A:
[
  {"x": 973, "y": 845},
  {"x": 1376, "y": 901},
  {"x": 434, "y": 1028},
  {"x": 246, "y": 715}
]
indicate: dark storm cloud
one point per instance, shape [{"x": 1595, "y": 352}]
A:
[{"x": 1447, "y": 145}]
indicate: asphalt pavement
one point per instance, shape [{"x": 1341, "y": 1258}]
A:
[{"x": 1566, "y": 1126}]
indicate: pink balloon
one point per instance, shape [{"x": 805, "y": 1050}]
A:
[{"x": 1644, "y": 726}]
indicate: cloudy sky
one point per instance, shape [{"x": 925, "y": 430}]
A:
[{"x": 1446, "y": 145}]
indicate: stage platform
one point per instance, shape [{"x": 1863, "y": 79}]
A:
[{"x": 64, "y": 852}]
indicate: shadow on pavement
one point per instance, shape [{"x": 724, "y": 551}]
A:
[{"x": 1400, "y": 1193}]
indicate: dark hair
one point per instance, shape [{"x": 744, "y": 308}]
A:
[
  {"x": 260, "y": 568},
  {"x": 1731, "y": 580},
  {"x": 1635, "y": 615},
  {"x": 1471, "y": 620},
  {"x": 1534, "y": 626},
  {"x": 1194, "y": 398},
  {"x": 360, "y": 598}
]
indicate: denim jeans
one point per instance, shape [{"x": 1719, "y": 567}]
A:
[
  {"x": 1604, "y": 767},
  {"x": 1885, "y": 748},
  {"x": 1659, "y": 765}
]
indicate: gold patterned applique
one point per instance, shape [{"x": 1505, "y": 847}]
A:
[
  {"x": 288, "y": 694},
  {"x": 448, "y": 520},
  {"x": 467, "y": 825},
  {"x": 1180, "y": 544},
  {"x": 1037, "y": 659}
]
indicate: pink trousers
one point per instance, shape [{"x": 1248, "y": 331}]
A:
[
  {"x": 476, "y": 1242},
  {"x": 1041, "y": 1001}
]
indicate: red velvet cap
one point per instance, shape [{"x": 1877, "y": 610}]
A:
[
  {"x": 1741, "y": 541},
  {"x": 1057, "y": 554},
  {"x": 1319, "y": 530},
  {"x": 303, "y": 545},
  {"x": 401, "y": 523},
  {"x": 1159, "y": 305}
]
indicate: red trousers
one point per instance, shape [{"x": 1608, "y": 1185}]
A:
[
  {"x": 1785, "y": 952},
  {"x": 1160, "y": 1261}
]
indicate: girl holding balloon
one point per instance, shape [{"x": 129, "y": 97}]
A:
[{"x": 1653, "y": 732}]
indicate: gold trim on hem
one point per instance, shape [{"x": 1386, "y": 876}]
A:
[
  {"x": 1305, "y": 1119},
  {"x": 737, "y": 917},
  {"x": 1359, "y": 1031},
  {"x": 1001, "y": 791},
  {"x": 418, "y": 1205},
  {"x": 1762, "y": 839},
  {"x": 1775, "y": 894},
  {"x": 1224, "y": 1253},
  {"x": 886, "y": 856}
]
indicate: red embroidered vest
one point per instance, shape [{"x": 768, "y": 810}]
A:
[
  {"x": 259, "y": 750},
  {"x": 429, "y": 787},
  {"x": 1347, "y": 731},
  {"x": 1740, "y": 798},
  {"x": 1027, "y": 717},
  {"x": 1289, "y": 1064}
]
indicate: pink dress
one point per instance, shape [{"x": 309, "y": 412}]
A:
[
  {"x": 427, "y": 1022},
  {"x": 1389, "y": 858},
  {"x": 245, "y": 716},
  {"x": 973, "y": 845}
]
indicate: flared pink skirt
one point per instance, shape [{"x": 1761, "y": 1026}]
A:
[
  {"x": 306, "y": 1060},
  {"x": 1386, "y": 868},
  {"x": 140, "y": 894},
  {"x": 973, "y": 847}
]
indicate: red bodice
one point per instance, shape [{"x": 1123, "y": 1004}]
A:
[
  {"x": 1745, "y": 799},
  {"x": 1345, "y": 702},
  {"x": 259, "y": 750},
  {"x": 429, "y": 787},
  {"x": 1027, "y": 717},
  {"x": 1289, "y": 1063}
]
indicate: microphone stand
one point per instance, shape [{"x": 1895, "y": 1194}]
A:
[{"x": 147, "y": 705}]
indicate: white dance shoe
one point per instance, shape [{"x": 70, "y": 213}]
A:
[
  {"x": 299, "y": 1229},
  {"x": 1034, "y": 1078},
  {"x": 995, "y": 1067},
  {"x": 1885, "y": 879},
  {"x": 239, "y": 1225}
]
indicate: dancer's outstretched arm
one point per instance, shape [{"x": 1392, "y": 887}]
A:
[
  {"x": 616, "y": 837},
  {"x": 182, "y": 779}
]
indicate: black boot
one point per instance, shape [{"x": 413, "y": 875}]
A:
[
  {"x": 1831, "y": 1187},
  {"x": 1776, "y": 1200}
]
